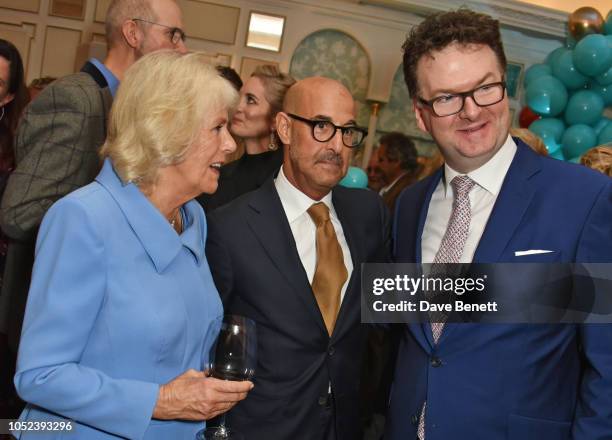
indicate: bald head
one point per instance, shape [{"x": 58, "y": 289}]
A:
[
  {"x": 121, "y": 10},
  {"x": 315, "y": 154},
  {"x": 308, "y": 92}
]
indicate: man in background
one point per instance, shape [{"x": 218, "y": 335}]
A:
[{"x": 397, "y": 160}]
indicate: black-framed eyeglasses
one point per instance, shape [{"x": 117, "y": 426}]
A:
[
  {"x": 176, "y": 34},
  {"x": 323, "y": 130},
  {"x": 452, "y": 103}
]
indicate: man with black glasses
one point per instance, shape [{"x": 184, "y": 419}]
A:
[
  {"x": 495, "y": 200},
  {"x": 288, "y": 255}
]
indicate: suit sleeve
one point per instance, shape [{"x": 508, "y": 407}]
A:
[
  {"x": 66, "y": 295},
  {"x": 55, "y": 154},
  {"x": 593, "y": 417},
  {"x": 219, "y": 259}
]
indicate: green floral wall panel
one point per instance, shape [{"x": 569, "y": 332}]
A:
[
  {"x": 398, "y": 115},
  {"x": 336, "y": 55}
]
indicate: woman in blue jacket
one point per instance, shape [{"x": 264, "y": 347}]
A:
[{"x": 120, "y": 311}]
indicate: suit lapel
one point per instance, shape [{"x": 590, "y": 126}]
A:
[
  {"x": 269, "y": 224},
  {"x": 514, "y": 198},
  {"x": 512, "y": 202},
  {"x": 353, "y": 290},
  {"x": 422, "y": 332}
]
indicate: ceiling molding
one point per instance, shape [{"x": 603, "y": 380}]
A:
[{"x": 511, "y": 13}]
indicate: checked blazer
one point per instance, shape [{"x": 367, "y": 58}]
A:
[{"x": 56, "y": 152}]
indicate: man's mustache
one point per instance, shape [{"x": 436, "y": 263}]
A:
[{"x": 330, "y": 156}]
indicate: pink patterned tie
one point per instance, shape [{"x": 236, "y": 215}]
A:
[{"x": 451, "y": 249}]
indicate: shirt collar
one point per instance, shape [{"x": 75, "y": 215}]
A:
[
  {"x": 110, "y": 78},
  {"x": 489, "y": 176},
  {"x": 295, "y": 202},
  {"x": 157, "y": 237},
  {"x": 388, "y": 187}
]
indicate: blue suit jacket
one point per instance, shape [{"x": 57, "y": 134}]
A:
[
  {"x": 512, "y": 381},
  {"x": 119, "y": 304}
]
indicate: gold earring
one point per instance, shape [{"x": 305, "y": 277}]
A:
[{"x": 272, "y": 145}]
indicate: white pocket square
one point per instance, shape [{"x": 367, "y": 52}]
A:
[{"x": 531, "y": 252}]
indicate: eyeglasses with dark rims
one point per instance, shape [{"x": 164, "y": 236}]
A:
[
  {"x": 452, "y": 103},
  {"x": 323, "y": 130}
]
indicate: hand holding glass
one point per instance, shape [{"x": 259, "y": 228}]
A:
[{"x": 233, "y": 357}]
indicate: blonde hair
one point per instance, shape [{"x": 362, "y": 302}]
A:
[
  {"x": 599, "y": 159},
  {"x": 160, "y": 106},
  {"x": 275, "y": 85},
  {"x": 534, "y": 141}
]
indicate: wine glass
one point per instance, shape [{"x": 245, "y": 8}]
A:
[{"x": 232, "y": 357}]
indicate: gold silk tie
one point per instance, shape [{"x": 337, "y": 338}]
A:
[{"x": 330, "y": 272}]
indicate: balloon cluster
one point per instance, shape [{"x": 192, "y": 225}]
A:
[{"x": 568, "y": 93}]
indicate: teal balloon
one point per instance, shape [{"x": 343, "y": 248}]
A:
[
  {"x": 584, "y": 107},
  {"x": 536, "y": 71},
  {"x": 546, "y": 96},
  {"x": 593, "y": 55},
  {"x": 355, "y": 178},
  {"x": 601, "y": 124},
  {"x": 557, "y": 154},
  {"x": 605, "y": 79},
  {"x": 577, "y": 139},
  {"x": 607, "y": 27},
  {"x": 604, "y": 91},
  {"x": 552, "y": 57},
  {"x": 551, "y": 145},
  {"x": 564, "y": 69},
  {"x": 605, "y": 135},
  {"x": 548, "y": 128},
  {"x": 575, "y": 160},
  {"x": 570, "y": 41}
]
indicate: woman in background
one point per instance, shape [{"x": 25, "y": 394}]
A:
[
  {"x": 261, "y": 98},
  {"x": 13, "y": 99},
  {"x": 119, "y": 317}
]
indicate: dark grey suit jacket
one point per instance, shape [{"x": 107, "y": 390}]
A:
[
  {"x": 258, "y": 272},
  {"x": 56, "y": 152}
]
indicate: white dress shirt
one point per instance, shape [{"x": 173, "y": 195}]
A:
[
  {"x": 489, "y": 179},
  {"x": 295, "y": 204}
]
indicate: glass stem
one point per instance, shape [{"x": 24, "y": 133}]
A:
[{"x": 222, "y": 429}]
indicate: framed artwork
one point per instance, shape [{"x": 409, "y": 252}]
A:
[
  {"x": 514, "y": 78},
  {"x": 68, "y": 8},
  {"x": 248, "y": 65},
  {"x": 265, "y": 31}
]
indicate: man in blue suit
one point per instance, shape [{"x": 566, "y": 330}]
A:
[{"x": 495, "y": 200}]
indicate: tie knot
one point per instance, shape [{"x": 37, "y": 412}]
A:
[
  {"x": 319, "y": 212},
  {"x": 462, "y": 186}
]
